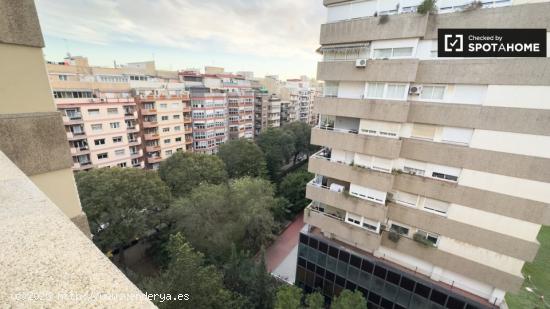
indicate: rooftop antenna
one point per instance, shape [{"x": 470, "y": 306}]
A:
[{"x": 67, "y": 48}]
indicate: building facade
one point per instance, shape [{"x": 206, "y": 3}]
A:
[
  {"x": 267, "y": 111},
  {"x": 433, "y": 181}
]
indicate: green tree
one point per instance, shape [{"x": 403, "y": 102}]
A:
[
  {"x": 187, "y": 274},
  {"x": 243, "y": 158},
  {"x": 214, "y": 216},
  {"x": 184, "y": 171},
  {"x": 288, "y": 297},
  {"x": 315, "y": 301},
  {"x": 278, "y": 147},
  {"x": 302, "y": 135},
  {"x": 349, "y": 300},
  {"x": 121, "y": 204},
  {"x": 293, "y": 189}
]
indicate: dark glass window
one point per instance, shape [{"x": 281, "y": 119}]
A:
[
  {"x": 344, "y": 256},
  {"x": 396, "y": 306},
  {"x": 422, "y": 290},
  {"x": 320, "y": 271},
  {"x": 350, "y": 286},
  {"x": 318, "y": 282},
  {"x": 329, "y": 275},
  {"x": 313, "y": 243},
  {"x": 407, "y": 283},
  {"x": 393, "y": 277},
  {"x": 355, "y": 261},
  {"x": 303, "y": 239},
  {"x": 333, "y": 252},
  {"x": 468, "y": 306},
  {"x": 454, "y": 303},
  {"x": 380, "y": 272},
  {"x": 367, "y": 266},
  {"x": 438, "y": 297},
  {"x": 375, "y": 298},
  {"x": 364, "y": 291},
  {"x": 386, "y": 304},
  {"x": 323, "y": 247},
  {"x": 340, "y": 281},
  {"x": 301, "y": 262},
  {"x": 310, "y": 266}
]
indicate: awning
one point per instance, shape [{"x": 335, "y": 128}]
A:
[{"x": 343, "y": 47}]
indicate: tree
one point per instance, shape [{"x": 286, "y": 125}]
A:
[
  {"x": 121, "y": 204},
  {"x": 187, "y": 274},
  {"x": 315, "y": 301},
  {"x": 293, "y": 188},
  {"x": 302, "y": 135},
  {"x": 243, "y": 158},
  {"x": 184, "y": 171},
  {"x": 350, "y": 300},
  {"x": 288, "y": 297},
  {"x": 214, "y": 216},
  {"x": 278, "y": 147}
]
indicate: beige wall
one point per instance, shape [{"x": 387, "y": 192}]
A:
[{"x": 60, "y": 187}]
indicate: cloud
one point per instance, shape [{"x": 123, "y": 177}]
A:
[{"x": 284, "y": 29}]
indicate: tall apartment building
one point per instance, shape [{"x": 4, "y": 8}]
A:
[
  {"x": 267, "y": 111},
  {"x": 435, "y": 176},
  {"x": 100, "y": 108},
  {"x": 209, "y": 118},
  {"x": 302, "y": 96}
]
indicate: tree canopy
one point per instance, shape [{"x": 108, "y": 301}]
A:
[
  {"x": 278, "y": 147},
  {"x": 184, "y": 171},
  {"x": 288, "y": 297},
  {"x": 293, "y": 189},
  {"x": 301, "y": 133},
  {"x": 349, "y": 300},
  {"x": 243, "y": 158},
  {"x": 121, "y": 204},
  {"x": 214, "y": 216},
  {"x": 187, "y": 274}
]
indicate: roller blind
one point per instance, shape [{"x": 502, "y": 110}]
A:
[
  {"x": 439, "y": 207},
  {"x": 423, "y": 131},
  {"x": 457, "y": 135}
]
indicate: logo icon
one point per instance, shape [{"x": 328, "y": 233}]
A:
[{"x": 454, "y": 42}]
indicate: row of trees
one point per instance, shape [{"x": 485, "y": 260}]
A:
[{"x": 292, "y": 297}]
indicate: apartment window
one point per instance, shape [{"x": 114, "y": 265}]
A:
[
  {"x": 431, "y": 237},
  {"x": 331, "y": 89},
  {"x": 177, "y": 128},
  {"x": 397, "y": 52},
  {"x": 168, "y": 152},
  {"x": 115, "y": 125},
  {"x": 164, "y": 118},
  {"x": 175, "y": 105},
  {"x": 457, "y": 135},
  {"x": 97, "y": 127},
  {"x": 353, "y": 219},
  {"x": 435, "y": 206},
  {"x": 93, "y": 112},
  {"x": 123, "y": 164},
  {"x": 112, "y": 111},
  {"x": 389, "y": 91},
  {"x": 396, "y": 91},
  {"x": 178, "y": 139},
  {"x": 423, "y": 131},
  {"x": 381, "y": 53},
  {"x": 167, "y": 141},
  {"x": 101, "y": 156},
  {"x": 179, "y": 149},
  {"x": 406, "y": 199},
  {"x": 432, "y": 93},
  {"x": 375, "y": 90},
  {"x": 414, "y": 171},
  {"x": 163, "y": 105},
  {"x": 444, "y": 176},
  {"x": 62, "y": 77},
  {"x": 176, "y": 116},
  {"x": 117, "y": 139},
  {"x": 370, "y": 225},
  {"x": 399, "y": 229},
  {"x": 165, "y": 129},
  {"x": 99, "y": 142},
  {"x": 119, "y": 152}
]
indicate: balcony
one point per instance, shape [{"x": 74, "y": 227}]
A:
[
  {"x": 80, "y": 150},
  {"x": 75, "y": 118},
  {"x": 358, "y": 175},
  {"x": 150, "y": 124},
  {"x": 345, "y": 201},
  {"x": 152, "y": 160},
  {"x": 335, "y": 228},
  {"x": 152, "y": 148},
  {"x": 134, "y": 142},
  {"x": 75, "y": 136},
  {"x": 133, "y": 129},
  {"x": 148, "y": 112},
  {"x": 130, "y": 115},
  {"x": 79, "y": 166},
  {"x": 349, "y": 140},
  {"x": 383, "y": 110},
  {"x": 136, "y": 155},
  {"x": 187, "y": 119},
  {"x": 151, "y": 136},
  {"x": 402, "y": 70}
]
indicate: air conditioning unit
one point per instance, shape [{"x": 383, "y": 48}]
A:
[
  {"x": 415, "y": 90},
  {"x": 361, "y": 63}
]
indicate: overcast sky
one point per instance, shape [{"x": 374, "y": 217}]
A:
[{"x": 264, "y": 36}]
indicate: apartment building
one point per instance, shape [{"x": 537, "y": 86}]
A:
[
  {"x": 267, "y": 111},
  {"x": 209, "y": 119},
  {"x": 288, "y": 112},
  {"x": 302, "y": 95},
  {"x": 434, "y": 178}
]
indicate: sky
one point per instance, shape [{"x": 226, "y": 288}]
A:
[{"x": 264, "y": 36}]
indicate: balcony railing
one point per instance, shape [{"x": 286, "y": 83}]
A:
[{"x": 150, "y": 124}]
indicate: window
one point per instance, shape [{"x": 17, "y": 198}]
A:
[
  {"x": 432, "y": 93},
  {"x": 98, "y": 142},
  {"x": 375, "y": 90},
  {"x": 381, "y": 53},
  {"x": 115, "y": 125},
  {"x": 435, "y": 206},
  {"x": 399, "y": 229},
  {"x": 62, "y": 77},
  {"x": 168, "y": 152},
  {"x": 457, "y": 135},
  {"x": 164, "y": 117},
  {"x": 93, "y": 112},
  {"x": 117, "y": 139},
  {"x": 370, "y": 225},
  {"x": 101, "y": 156},
  {"x": 167, "y": 141},
  {"x": 165, "y": 129},
  {"x": 123, "y": 164},
  {"x": 163, "y": 105},
  {"x": 406, "y": 199},
  {"x": 431, "y": 237},
  {"x": 178, "y": 139},
  {"x": 177, "y": 128},
  {"x": 119, "y": 152},
  {"x": 396, "y": 91},
  {"x": 176, "y": 116},
  {"x": 97, "y": 127},
  {"x": 175, "y": 105},
  {"x": 397, "y": 52},
  {"x": 354, "y": 219},
  {"x": 414, "y": 171},
  {"x": 423, "y": 131},
  {"x": 112, "y": 111},
  {"x": 444, "y": 176}
]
